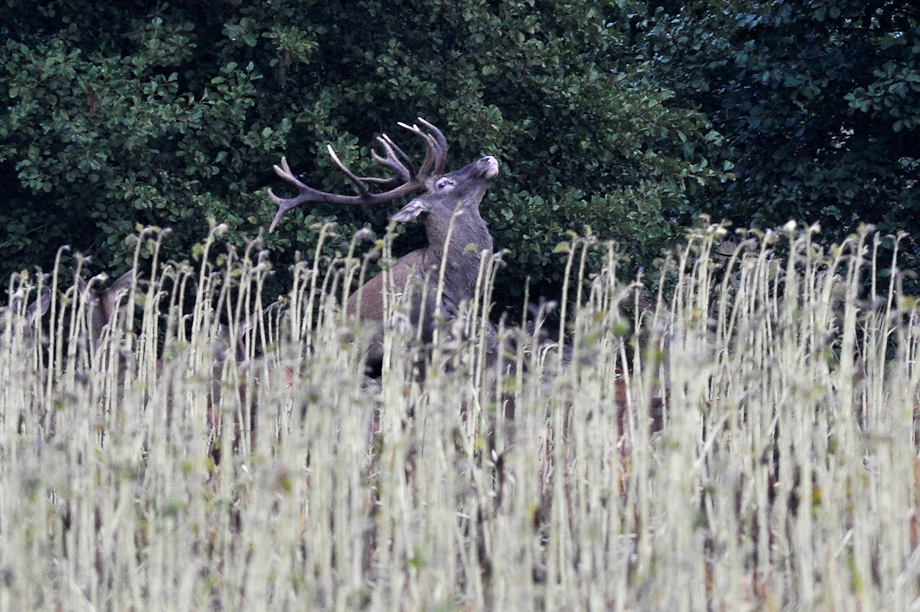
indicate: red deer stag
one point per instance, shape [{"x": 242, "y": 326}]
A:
[{"x": 457, "y": 234}]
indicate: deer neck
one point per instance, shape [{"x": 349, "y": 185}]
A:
[{"x": 469, "y": 237}]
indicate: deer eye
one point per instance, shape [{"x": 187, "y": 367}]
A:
[{"x": 444, "y": 184}]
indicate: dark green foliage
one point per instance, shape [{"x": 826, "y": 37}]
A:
[
  {"x": 121, "y": 116},
  {"x": 818, "y": 101},
  {"x": 125, "y": 113},
  {"x": 625, "y": 116}
]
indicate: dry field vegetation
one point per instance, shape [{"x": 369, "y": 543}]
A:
[{"x": 746, "y": 442}]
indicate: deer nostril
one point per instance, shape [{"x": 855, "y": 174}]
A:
[{"x": 491, "y": 170}]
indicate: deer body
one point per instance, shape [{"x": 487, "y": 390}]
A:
[
  {"x": 457, "y": 234},
  {"x": 460, "y": 193}
]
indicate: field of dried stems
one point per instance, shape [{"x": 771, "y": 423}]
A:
[{"x": 744, "y": 440}]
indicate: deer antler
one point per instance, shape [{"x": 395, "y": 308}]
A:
[{"x": 405, "y": 178}]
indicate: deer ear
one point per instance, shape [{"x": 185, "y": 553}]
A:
[
  {"x": 113, "y": 293},
  {"x": 410, "y": 211},
  {"x": 38, "y": 308},
  {"x": 123, "y": 282}
]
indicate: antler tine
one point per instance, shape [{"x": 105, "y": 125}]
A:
[
  {"x": 306, "y": 194},
  {"x": 351, "y": 175},
  {"x": 430, "y": 163},
  {"x": 407, "y": 162},
  {"x": 286, "y": 204},
  {"x": 400, "y": 172},
  {"x": 441, "y": 155},
  {"x": 431, "y": 150}
]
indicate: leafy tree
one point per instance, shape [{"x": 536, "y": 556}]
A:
[
  {"x": 818, "y": 102},
  {"x": 136, "y": 112},
  {"x": 111, "y": 123}
]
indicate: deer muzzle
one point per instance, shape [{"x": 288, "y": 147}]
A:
[{"x": 489, "y": 167}]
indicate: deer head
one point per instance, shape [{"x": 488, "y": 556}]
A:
[
  {"x": 100, "y": 304},
  {"x": 451, "y": 204},
  {"x": 36, "y": 310}
]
